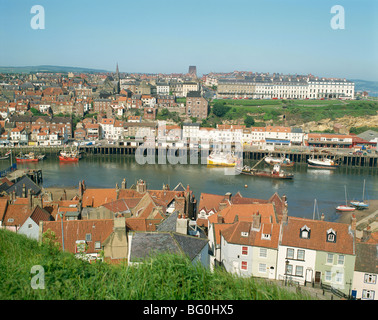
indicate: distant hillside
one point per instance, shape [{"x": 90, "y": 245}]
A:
[
  {"x": 166, "y": 277},
  {"x": 46, "y": 68},
  {"x": 369, "y": 86}
]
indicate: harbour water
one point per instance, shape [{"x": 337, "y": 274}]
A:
[{"x": 326, "y": 186}]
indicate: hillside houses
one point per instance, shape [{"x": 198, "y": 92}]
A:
[{"x": 245, "y": 236}]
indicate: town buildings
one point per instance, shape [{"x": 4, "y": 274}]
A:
[{"x": 284, "y": 87}]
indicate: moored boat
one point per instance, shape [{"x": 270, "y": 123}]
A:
[
  {"x": 29, "y": 157},
  {"x": 323, "y": 163},
  {"x": 361, "y": 204},
  {"x": 221, "y": 159},
  {"x": 283, "y": 161},
  {"x": 345, "y": 208},
  {"x": 69, "y": 156},
  {"x": 275, "y": 173},
  {"x": 6, "y": 156}
]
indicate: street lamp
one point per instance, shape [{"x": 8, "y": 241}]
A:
[
  {"x": 286, "y": 265},
  {"x": 61, "y": 219}
]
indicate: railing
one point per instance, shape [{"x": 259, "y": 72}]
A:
[{"x": 335, "y": 291}]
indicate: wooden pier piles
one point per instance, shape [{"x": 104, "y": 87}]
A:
[{"x": 370, "y": 160}]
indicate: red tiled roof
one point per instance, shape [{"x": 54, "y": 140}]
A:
[
  {"x": 74, "y": 230},
  {"x": 318, "y": 235}
]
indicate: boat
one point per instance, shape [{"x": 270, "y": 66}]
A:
[
  {"x": 283, "y": 160},
  {"x": 361, "y": 204},
  {"x": 6, "y": 156},
  {"x": 221, "y": 159},
  {"x": 275, "y": 173},
  {"x": 345, "y": 208},
  {"x": 323, "y": 163},
  {"x": 29, "y": 157},
  {"x": 69, "y": 156}
]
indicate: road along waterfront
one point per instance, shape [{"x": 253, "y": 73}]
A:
[{"x": 326, "y": 186}]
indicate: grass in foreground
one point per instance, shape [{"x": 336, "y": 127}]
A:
[{"x": 165, "y": 277}]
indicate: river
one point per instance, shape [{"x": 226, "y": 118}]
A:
[{"x": 326, "y": 186}]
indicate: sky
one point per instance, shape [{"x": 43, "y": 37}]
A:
[{"x": 167, "y": 36}]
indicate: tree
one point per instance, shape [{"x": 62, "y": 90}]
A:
[
  {"x": 249, "y": 121},
  {"x": 220, "y": 109}
]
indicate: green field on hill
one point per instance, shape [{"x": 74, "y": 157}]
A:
[
  {"x": 165, "y": 277},
  {"x": 295, "y": 111}
]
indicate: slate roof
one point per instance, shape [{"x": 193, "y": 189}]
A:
[
  {"x": 366, "y": 258},
  {"x": 169, "y": 224},
  {"x": 29, "y": 184},
  {"x": 144, "y": 244}
]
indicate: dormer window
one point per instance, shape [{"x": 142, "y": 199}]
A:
[
  {"x": 331, "y": 235},
  {"x": 244, "y": 234},
  {"x": 305, "y": 232},
  {"x": 265, "y": 236}
]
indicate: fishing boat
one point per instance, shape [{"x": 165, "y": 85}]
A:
[
  {"x": 323, "y": 163},
  {"x": 275, "y": 173},
  {"x": 221, "y": 159},
  {"x": 283, "y": 160},
  {"x": 69, "y": 156},
  {"x": 6, "y": 156},
  {"x": 345, "y": 208},
  {"x": 29, "y": 157},
  {"x": 361, "y": 204}
]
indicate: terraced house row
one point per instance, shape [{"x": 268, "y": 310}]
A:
[{"x": 254, "y": 237}]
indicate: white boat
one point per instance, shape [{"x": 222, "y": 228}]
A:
[
  {"x": 221, "y": 159},
  {"x": 361, "y": 204},
  {"x": 323, "y": 163},
  {"x": 283, "y": 160},
  {"x": 345, "y": 208}
]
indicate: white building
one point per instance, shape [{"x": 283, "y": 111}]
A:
[
  {"x": 365, "y": 284},
  {"x": 162, "y": 88}
]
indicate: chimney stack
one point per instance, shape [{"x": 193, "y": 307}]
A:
[
  {"x": 23, "y": 191},
  {"x": 353, "y": 223},
  {"x": 124, "y": 184},
  {"x": 256, "y": 221},
  {"x": 366, "y": 233},
  {"x": 30, "y": 199},
  {"x": 322, "y": 217},
  {"x": 219, "y": 219}
]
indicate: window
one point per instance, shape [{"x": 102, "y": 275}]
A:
[
  {"x": 300, "y": 254},
  {"x": 340, "y": 259},
  {"x": 10, "y": 220},
  {"x": 299, "y": 271},
  {"x": 244, "y": 265},
  {"x": 370, "y": 278},
  {"x": 263, "y": 253},
  {"x": 368, "y": 294},
  {"x": 88, "y": 237},
  {"x": 244, "y": 251},
  {"x": 331, "y": 235},
  {"x": 290, "y": 253},
  {"x": 328, "y": 275},
  {"x": 262, "y": 267},
  {"x": 339, "y": 277},
  {"x": 30, "y": 226},
  {"x": 330, "y": 258},
  {"x": 97, "y": 245}
]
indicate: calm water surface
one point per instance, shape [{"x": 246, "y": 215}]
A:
[{"x": 326, "y": 186}]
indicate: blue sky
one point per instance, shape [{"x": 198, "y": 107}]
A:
[{"x": 286, "y": 36}]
